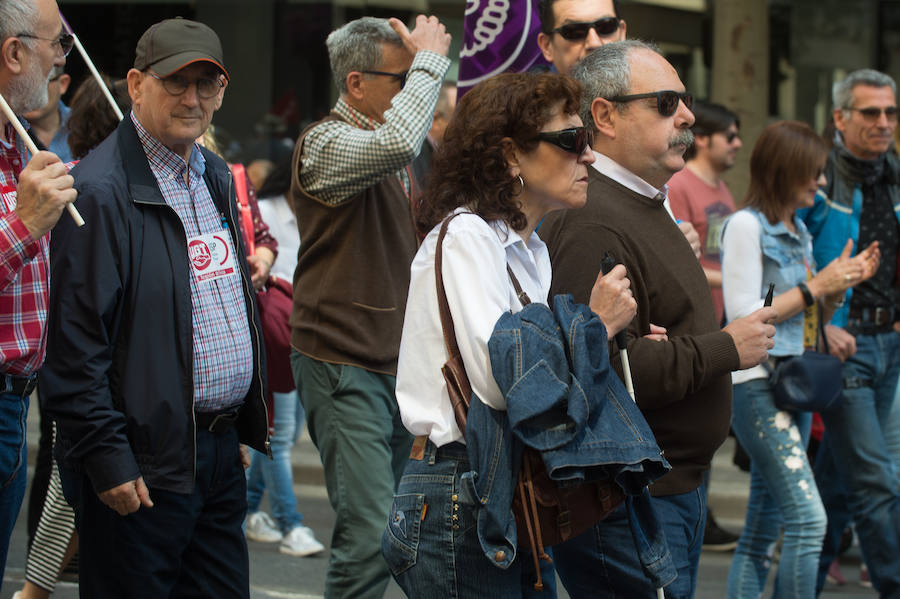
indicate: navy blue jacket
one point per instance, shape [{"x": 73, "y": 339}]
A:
[{"x": 118, "y": 377}]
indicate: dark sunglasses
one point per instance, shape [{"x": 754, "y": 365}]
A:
[
  {"x": 730, "y": 136},
  {"x": 578, "y": 31},
  {"x": 400, "y": 76},
  {"x": 666, "y": 100},
  {"x": 573, "y": 140},
  {"x": 65, "y": 41},
  {"x": 872, "y": 113}
]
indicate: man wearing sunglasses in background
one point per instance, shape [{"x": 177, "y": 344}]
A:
[
  {"x": 34, "y": 191},
  {"x": 572, "y": 29},
  {"x": 862, "y": 200},
  {"x": 636, "y": 102},
  {"x": 354, "y": 189},
  {"x": 154, "y": 367}
]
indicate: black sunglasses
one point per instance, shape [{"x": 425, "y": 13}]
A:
[
  {"x": 578, "y": 31},
  {"x": 65, "y": 41},
  {"x": 400, "y": 76},
  {"x": 573, "y": 140},
  {"x": 666, "y": 100},
  {"x": 872, "y": 113},
  {"x": 729, "y": 136}
]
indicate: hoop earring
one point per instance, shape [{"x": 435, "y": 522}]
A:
[{"x": 521, "y": 186}]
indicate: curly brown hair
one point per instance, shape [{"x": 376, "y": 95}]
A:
[
  {"x": 92, "y": 118},
  {"x": 470, "y": 168}
]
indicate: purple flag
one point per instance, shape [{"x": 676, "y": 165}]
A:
[{"x": 498, "y": 36}]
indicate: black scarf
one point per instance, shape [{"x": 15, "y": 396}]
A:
[{"x": 845, "y": 171}]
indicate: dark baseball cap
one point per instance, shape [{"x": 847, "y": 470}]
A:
[{"x": 173, "y": 44}]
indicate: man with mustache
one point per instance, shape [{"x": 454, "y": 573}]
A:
[
  {"x": 862, "y": 200},
  {"x": 34, "y": 190},
  {"x": 155, "y": 366},
  {"x": 641, "y": 114}
]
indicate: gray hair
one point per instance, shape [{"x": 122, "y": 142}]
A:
[
  {"x": 842, "y": 91},
  {"x": 606, "y": 73},
  {"x": 17, "y": 16},
  {"x": 356, "y": 46}
]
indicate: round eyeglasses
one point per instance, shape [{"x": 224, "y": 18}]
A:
[{"x": 175, "y": 85}]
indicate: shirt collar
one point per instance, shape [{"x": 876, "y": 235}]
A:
[
  {"x": 618, "y": 173},
  {"x": 355, "y": 117},
  {"x": 165, "y": 160}
]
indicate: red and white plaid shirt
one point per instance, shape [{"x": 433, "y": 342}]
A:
[{"x": 24, "y": 273}]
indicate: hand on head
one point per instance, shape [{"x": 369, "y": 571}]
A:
[{"x": 429, "y": 34}]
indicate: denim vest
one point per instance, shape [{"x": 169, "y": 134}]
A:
[
  {"x": 785, "y": 256},
  {"x": 564, "y": 400}
]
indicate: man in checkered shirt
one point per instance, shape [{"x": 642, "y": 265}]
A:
[
  {"x": 34, "y": 189},
  {"x": 352, "y": 192},
  {"x": 155, "y": 362}
]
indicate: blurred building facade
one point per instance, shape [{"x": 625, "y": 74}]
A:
[{"x": 768, "y": 59}]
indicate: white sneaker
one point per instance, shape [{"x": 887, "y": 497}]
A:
[
  {"x": 300, "y": 542},
  {"x": 261, "y": 528}
]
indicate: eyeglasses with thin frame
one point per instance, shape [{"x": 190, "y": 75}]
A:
[
  {"x": 666, "y": 100},
  {"x": 175, "y": 85},
  {"x": 574, "y": 139},
  {"x": 400, "y": 76},
  {"x": 65, "y": 42},
  {"x": 604, "y": 27},
  {"x": 873, "y": 113}
]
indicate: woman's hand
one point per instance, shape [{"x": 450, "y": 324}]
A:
[
  {"x": 612, "y": 300},
  {"x": 260, "y": 265},
  {"x": 844, "y": 272}
]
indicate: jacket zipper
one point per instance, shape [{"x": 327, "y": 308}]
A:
[
  {"x": 249, "y": 289},
  {"x": 193, "y": 409}
]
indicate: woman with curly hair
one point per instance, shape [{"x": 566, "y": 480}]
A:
[{"x": 514, "y": 150}]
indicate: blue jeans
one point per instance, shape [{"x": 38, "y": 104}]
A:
[
  {"x": 431, "y": 542},
  {"x": 13, "y": 455},
  {"x": 854, "y": 453},
  {"x": 276, "y": 474},
  {"x": 892, "y": 433},
  {"x": 603, "y": 562},
  {"x": 783, "y": 494}
]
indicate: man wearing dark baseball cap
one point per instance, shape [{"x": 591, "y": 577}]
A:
[{"x": 155, "y": 360}]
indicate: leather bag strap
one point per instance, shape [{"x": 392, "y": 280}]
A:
[{"x": 443, "y": 306}]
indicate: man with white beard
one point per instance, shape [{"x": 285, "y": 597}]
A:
[{"x": 34, "y": 189}]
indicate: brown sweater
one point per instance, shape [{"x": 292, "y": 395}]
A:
[
  {"x": 352, "y": 274},
  {"x": 683, "y": 385}
]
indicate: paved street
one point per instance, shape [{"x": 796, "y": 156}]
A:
[{"x": 277, "y": 576}]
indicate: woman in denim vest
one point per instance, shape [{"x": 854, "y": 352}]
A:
[
  {"x": 515, "y": 149},
  {"x": 766, "y": 243}
]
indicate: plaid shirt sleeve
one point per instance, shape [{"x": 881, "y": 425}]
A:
[
  {"x": 17, "y": 247},
  {"x": 339, "y": 160}
]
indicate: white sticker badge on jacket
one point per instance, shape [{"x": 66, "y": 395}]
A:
[{"x": 211, "y": 256}]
